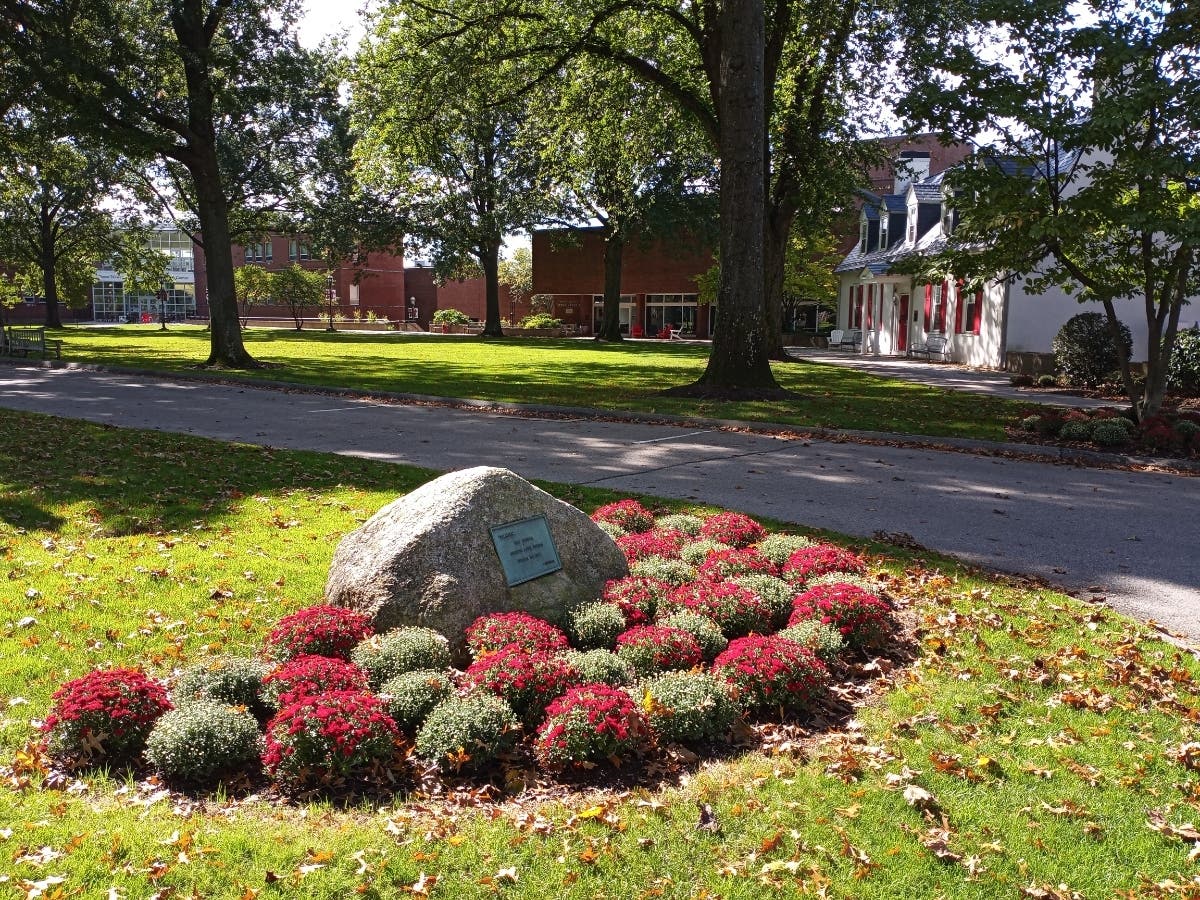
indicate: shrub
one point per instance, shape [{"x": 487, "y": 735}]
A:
[
  {"x": 411, "y": 696},
  {"x": 822, "y": 639},
  {"x": 651, "y": 649},
  {"x": 736, "y": 610},
  {"x": 307, "y": 676},
  {"x": 318, "y": 631},
  {"x": 107, "y": 713},
  {"x": 863, "y": 619},
  {"x": 526, "y": 680},
  {"x": 1183, "y": 374},
  {"x": 1187, "y": 429},
  {"x": 776, "y": 593},
  {"x": 778, "y": 548},
  {"x": 235, "y": 680},
  {"x": 688, "y": 707},
  {"x": 450, "y": 317},
  {"x": 591, "y": 723},
  {"x": 1084, "y": 351},
  {"x": 490, "y": 633},
  {"x": 770, "y": 671},
  {"x": 726, "y": 564},
  {"x": 1157, "y": 434},
  {"x": 1021, "y": 380},
  {"x": 203, "y": 740},
  {"x": 688, "y": 524},
  {"x": 706, "y": 632},
  {"x": 733, "y": 529},
  {"x": 400, "y": 650},
  {"x": 672, "y": 571},
  {"x": 613, "y": 530},
  {"x": 338, "y": 733},
  {"x": 1030, "y": 423},
  {"x": 629, "y": 515},
  {"x": 1110, "y": 433},
  {"x": 600, "y": 667},
  {"x": 651, "y": 543},
  {"x": 1076, "y": 430},
  {"x": 636, "y": 597},
  {"x": 596, "y": 625},
  {"x": 540, "y": 320},
  {"x": 859, "y": 581},
  {"x": 1047, "y": 381},
  {"x": 467, "y": 732},
  {"x": 697, "y": 552},
  {"x": 820, "y": 560}
]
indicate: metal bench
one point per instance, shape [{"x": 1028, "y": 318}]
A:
[
  {"x": 23, "y": 341},
  {"x": 934, "y": 345}
]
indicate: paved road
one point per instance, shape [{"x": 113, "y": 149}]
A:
[{"x": 1132, "y": 535}]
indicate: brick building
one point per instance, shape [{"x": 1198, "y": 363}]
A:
[
  {"x": 468, "y": 296},
  {"x": 658, "y": 281}
]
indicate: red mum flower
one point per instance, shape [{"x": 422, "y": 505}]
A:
[
  {"x": 768, "y": 672},
  {"x": 318, "y": 631},
  {"x": 105, "y": 713},
  {"x": 733, "y": 529},
  {"x": 821, "y": 559},
  {"x": 628, "y": 515},
  {"x": 862, "y": 618},
  {"x": 489, "y": 633}
]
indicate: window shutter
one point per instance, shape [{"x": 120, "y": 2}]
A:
[
  {"x": 959, "y": 302},
  {"x": 978, "y": 317},
  {"x": 928, "y": 305}
]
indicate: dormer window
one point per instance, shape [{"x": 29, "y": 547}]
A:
[
  {"x": 862, "y": 234},
  {"x": 912, "y": 224},
  {"x": 883, "y": 231}
]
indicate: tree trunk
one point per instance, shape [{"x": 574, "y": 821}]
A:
[
  {"x": 1160, "y": 341},
  {"x": 778, "y": 234},
  {"x": 738, "y": 364},
  {"x": 49, "y": 266},
  {"x": 1114, "y": 331},
  {"x": 225, "y": 328},
  {"x": 489, "y": 261},
  {"x": 610, "y": 328}
]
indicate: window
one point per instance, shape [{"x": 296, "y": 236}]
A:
[
  {"x": 912, "y": 223},
  {"x": 293, "y": 250},
  {"x": 856, "y": 306},
  {"x": 862, "y": 234},
  {"x": 675, "y": 310},
  {"x": 883, "y": 230},
  {"x": 259, "y": 252},
  {"x": 935, "y": 308},
  {"x": 969, "y": 316}
]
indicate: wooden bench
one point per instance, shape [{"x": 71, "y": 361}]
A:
[
  {"x": 934, "y": 345},
  {"x": 23, "y": 341}
]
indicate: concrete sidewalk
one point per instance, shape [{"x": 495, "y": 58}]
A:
[
  {"x": 1127, "y": 535},
  {"x": 944, "y": 375}
]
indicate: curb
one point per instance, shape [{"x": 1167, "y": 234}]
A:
[{"x": 1029, "y": 452}]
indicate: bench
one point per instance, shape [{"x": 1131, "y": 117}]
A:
[
  {"x": 683, "y": 334},
  {"x": 842, "y": 339},
  {"x": 934, "y": 345},
  {"x": 23, "y": 341}
]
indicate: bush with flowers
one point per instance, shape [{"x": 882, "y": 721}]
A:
[
  {"x": 464, "y": 733},
  {"x": 411, "y": 696},
  {"x": 305, "y": 676},
  {"x": 862, "y": 618},
  {"x": 688, "y": 707},
  {"x": 696, "y": 552},
  {"x": 105, "y": 714},
  {"x": 774, "y": 592},
  {"x": 203, "y": 740},
  {"x": 734, "y": 563},
  {"x": 733, "y": 529},
  {"x": 401, "y": 650},
  {"x": 595, "y": 626},
  {"x": 489, "y": 633},
  {"x": 628, "y": 515},
  {"x": 706, "y": 632},
  {"x": 591, "y": 723},
  {"x": 822, "y": 559},
  {"x": 318, "y": 631},
  {"x": 600, "y": 667},
  {"x": 672, "y": 571},
  {"x": 821, "y": 638},
  {"x": 770, "y": 672},
  {"x": 736, "y": 610},
  {"x": 778, "y": 548},
  {"x": 651, "y": 543},
  {"x": 234, "y": 680},
  {"x": 651, "y": 649},
  {"x": 333, "y": 734},
  {"x": 688, "y": 524},
  {"x": 526, "y": 680},
  {"x": 636, "y": 598}
]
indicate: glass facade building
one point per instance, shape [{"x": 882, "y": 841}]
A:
[{"x": 176, "y": 299}]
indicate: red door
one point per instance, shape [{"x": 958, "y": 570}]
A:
[{"x": 902, "y": 325}]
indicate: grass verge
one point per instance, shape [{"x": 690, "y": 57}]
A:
[
  {"x": 1047, "y": 735},
  {"x": 628, "y": 376}
]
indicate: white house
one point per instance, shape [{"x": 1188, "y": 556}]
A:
[{"x": 1000, "y": 326}]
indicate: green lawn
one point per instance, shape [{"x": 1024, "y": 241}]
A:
[
  {"x": 1044, "y": 728},
  {"x": 572, "y": 373}
]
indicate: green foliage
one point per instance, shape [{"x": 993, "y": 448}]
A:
[
  {"x": 202, "y": 741},
  {"x": 706, "y": 632},
  {"x": 688, "y": 707},
  {"x": 821, "y": 638},
  {"x": 450, "y": 317},
  {"x": 142, "y": 268},
  {"x": 467, "y": 732},
  {"x": 298, "y": 289},
  {"x": 684, "y": 522},
  {"x": 596, "y": 626},
  {"x": 1110, "y": 432},
  {"x": 696, "y": 552},
  {"x": 778, "y": 548},
  {"x": 516, "y": 273},
  {"x": 1047, "y": 381},
  {"x": 411, "y": 696},
  {"x": 1084, "y": 351},
  {"x": 775, "y": 592},
  {"x": 401, "y": 650},
  {"x": 252, "y": 285},
  {"x": 1076, "y": 430},
  {"x": 1183, "y": 374},
  {"x": 540, "y": 320},
  {"x": 672, "y": 571},
  {"x": 601, "y": 667},
  {"x": 236, "y": 680}
]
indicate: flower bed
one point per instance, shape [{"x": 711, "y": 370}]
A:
[
  {"x": 1170, "y": 433},
  {"x": 863, "y": 619},
  {"x": 338, "y": 733},
  {"x": 591, "y": 723},
  {"x": 317, "y": 631},
  {"x": 106, "y": 714},
  {"x": 769, "y": 671},
  {"x": 491, "y": 633}
]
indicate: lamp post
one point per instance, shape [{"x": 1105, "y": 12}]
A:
[
  {"x": 330, "y": 299},
  {"x": 167, "y": 285}
]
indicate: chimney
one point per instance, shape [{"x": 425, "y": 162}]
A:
[{"x": 912, "y": 165}]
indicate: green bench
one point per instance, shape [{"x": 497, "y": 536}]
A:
[{"x": 24, "y": 341}]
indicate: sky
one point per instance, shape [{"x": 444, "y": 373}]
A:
[{"x": 323, "y": 18}]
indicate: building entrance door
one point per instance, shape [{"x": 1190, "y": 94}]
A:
[{"x": 902, "y": 325}]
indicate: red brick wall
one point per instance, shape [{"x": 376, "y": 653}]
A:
[
  {"x": 470, "y": 297},
  {"x": 419, "y": 284},
  {"x": 657, "y": 267}
]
